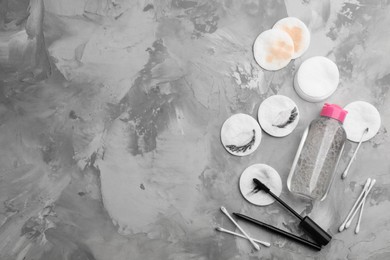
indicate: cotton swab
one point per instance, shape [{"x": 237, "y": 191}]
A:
[
  {"x": 357, "y": 229},
  {"x": 267, "y": 244},
  {"x": 224, "y": 210},
  {"x": 366, "y": 185},
  {"x": 360, "y": 204},
  {"x": 345, "y": 173}
]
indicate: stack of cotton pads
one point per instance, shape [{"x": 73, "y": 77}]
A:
[
  {"x": 317, "y": 79},
  {"x": 288, "y": 39}
]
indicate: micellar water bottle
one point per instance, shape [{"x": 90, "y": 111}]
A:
[{"x": 318, "y": 154}]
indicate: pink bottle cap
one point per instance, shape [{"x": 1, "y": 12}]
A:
[{"x": 334, "y": 111}]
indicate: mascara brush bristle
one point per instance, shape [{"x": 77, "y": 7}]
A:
[{"x": 260, "y": 186}]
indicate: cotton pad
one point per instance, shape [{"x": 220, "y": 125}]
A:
[
  {"x": 278, "y": 115},
  {"x": 267, "y": 175},
  {"x": 317, "y": 79},
  {"x": 240, "y": 134},
  {"x": 360, "y": 116},
  {"x": 273, "y": 49},
  {"x": 298, "y": 33}
]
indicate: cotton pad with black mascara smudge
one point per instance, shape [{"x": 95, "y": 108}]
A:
[
  {"x": 278, "y": 115},
  {"x": 240, "y": 134},
  {"x": 267, "y": 175},
  {"x": 361, "y": 115}
]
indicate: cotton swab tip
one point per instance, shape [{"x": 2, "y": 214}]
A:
[
  {"x": 342, "y": 227},
  {"x": 220, "y": 229},
  {"x": 357, "y": 229},
  {"x": 368, "y": 181}
]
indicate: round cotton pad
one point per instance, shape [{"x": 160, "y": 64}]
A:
[
  {"x": 360, "y": 116},
  {"x": 278, "y": 115},
  {"x": 298, "y": 33},
  {"x": 267, "y": 175},
  {"x": 273, "y": 49},
  {"x": 317, "y": 79},
  {"x": 240, "y": 134}
]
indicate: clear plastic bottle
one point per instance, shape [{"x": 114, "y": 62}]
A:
[{"x": 318, "y": 154}]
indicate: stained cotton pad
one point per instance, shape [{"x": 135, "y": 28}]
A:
[
  {"x": 278, "y": 115},
  {"x": 360, "y": 116},
  {"x": 267, "y": 175},
  {"x": 240, "y": 134},
  {"x": 317, "y": 79},
  {"x": 298, "y": 33},
  {"x": 273, "y": 49}
]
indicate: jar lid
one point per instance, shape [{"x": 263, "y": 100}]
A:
[
  {"x": 317, "y": 79},
  {"x": 334, "y": 111}
]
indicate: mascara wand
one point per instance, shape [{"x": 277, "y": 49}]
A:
[{"x": 307, "y": 224}]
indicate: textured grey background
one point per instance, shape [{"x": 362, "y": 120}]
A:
[{"x": 110, "y": 113}]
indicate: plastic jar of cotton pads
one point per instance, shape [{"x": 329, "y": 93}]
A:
[
  {"x": 318, "y": 154},
  {"x": 316, "y": 79}
]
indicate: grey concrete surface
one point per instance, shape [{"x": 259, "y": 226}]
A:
[{"x": 110, "y": 113}]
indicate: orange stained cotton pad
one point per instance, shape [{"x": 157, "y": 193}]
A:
[
  {"x": 297, "y": 31},
  {"x": 273, "y": 49}
]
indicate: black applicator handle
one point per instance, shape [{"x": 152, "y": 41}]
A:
[
  {"x": 279, "y": 231},
  {"x": 315, "y": 231}
]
